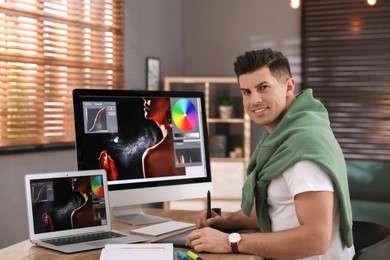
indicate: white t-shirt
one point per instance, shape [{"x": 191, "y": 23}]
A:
[{"x": 301, "y": 177}]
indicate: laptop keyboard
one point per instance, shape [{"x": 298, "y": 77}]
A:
[{"x": 82, "y": 238}]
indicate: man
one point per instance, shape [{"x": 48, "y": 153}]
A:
[{"x": 296, "y": 193}]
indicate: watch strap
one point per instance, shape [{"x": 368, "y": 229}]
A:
[{"x": 234, "y": 247}]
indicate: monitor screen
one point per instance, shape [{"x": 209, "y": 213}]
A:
[{"x": 152, "y": 144}]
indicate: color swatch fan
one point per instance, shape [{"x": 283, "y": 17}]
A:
[
  {"x": 97, "y": 186},
  {"x": 184, "y": 115}
]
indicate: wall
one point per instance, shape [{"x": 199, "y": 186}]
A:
[
  {"x": 153, "y": 28},
  {"x": 13, "y": 226},
  {"x": 190, "y": 38},
  {"x": 216, "y": 32}
]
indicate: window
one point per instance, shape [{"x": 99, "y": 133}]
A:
[
  {"x": 346, "y": 61},
  {"x": 47, "y": 49}
]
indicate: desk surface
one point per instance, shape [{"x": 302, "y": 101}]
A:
[{"x": 27, "y": 250}]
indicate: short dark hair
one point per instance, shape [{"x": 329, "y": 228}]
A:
[{"x": 251, "y": 61}]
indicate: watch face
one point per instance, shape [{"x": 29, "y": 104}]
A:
[{"x": 234, "y": 237}]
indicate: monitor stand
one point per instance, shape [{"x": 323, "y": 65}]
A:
[{"x": 134, "y": 215}]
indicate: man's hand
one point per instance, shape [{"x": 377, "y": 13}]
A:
[
  {"x": 215, "y": 220},
  {"x": 209, "y": 240}
]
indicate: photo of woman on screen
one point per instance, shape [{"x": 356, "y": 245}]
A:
[{"x": 159, "y": 160}]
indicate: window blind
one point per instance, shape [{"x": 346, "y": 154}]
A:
[
  {"x": 47, "y": 49},
  {"x": 346, "y": 61}
]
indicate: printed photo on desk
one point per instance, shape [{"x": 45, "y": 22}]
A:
[{"x": 137, "y": 251}]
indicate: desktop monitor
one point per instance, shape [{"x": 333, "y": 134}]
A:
[{"x": 152, "y": 144}]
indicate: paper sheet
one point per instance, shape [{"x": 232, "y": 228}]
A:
[{"x": 163, "y": 251}]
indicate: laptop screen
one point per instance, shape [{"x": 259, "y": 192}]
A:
[{"x": 67, "y": 202}]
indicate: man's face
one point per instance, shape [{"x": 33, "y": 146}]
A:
[{"x": 266, "y": 99}]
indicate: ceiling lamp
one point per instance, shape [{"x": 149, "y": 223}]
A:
[{"x": 295, "y": 4}]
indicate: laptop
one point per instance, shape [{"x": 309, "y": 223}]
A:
[{"x": 70, "y": 211}]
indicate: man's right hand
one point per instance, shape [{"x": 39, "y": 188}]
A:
[
  {"x": 228, "y": 220},
  {"x": 216, "y": 221}
]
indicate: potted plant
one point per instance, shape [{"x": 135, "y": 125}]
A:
[{"x": 225, "y": 108}]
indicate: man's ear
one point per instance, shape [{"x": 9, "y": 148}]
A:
[{"x": 290, "y": 87}]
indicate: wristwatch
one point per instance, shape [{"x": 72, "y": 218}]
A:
[{"x": 234, "y": 238}]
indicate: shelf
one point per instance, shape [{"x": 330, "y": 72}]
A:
[
  {"x": 201, "y": 80},
  {"x": 228, "y": 159},
  {"x": 226, "y": 135}
]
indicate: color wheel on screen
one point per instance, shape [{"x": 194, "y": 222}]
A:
[
  {"x": 184, "y": 114},
  {"x": 97, "y": 186}
]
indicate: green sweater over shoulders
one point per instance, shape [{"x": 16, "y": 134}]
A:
[{"x": 304, "y": 133}]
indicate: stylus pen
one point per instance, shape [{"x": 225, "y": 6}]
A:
[{"x": 208, "y": 205}]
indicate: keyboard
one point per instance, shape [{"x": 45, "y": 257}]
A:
[
  {"x": 163, "y": 228},
  {"x": 82, "y": 238}
]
